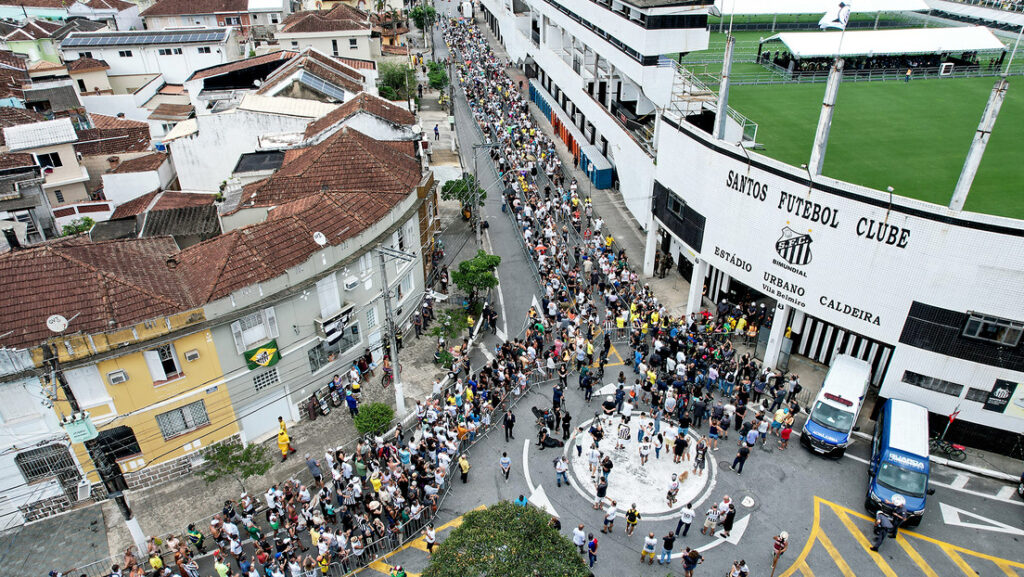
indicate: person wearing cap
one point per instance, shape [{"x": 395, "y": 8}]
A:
[{"x": 898, "y": 510}]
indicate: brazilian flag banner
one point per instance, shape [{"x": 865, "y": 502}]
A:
[{"x": 263, "y": 356}]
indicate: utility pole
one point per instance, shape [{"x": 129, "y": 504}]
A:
[
  {"x": 389, "y": 320},
  {"x": 109, "y": 472}
]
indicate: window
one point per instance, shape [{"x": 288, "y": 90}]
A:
[
  {"x": 365, "y": 264},
  {"x": 996, "y": 330},
  {"x": 81, "y": 85},
  {"x": 334, "y": 46},
  {"x": 124, "y": 53},
  {"x": 326, "y": 353},
  {"x": 45, "y": 463},
  {"x": 85, "y": 54},
  {"x": 59, "y": 196},
  {"x": 371, "y": 317},
  {"x": 295, "y": 43},
  {"x": 119, "y": 442},
  {"x": 168, "y": 51},
  {"x": 265, "y": 379},
  {"x": 327, "y": 293},
  {"x": 204, "y": 49},
  {"x": 977, "y": 395},
  {"x": 274, "y": 18},
  {"x": 183, "y": 419},
  {"x": 232, "y": 21},
  {"x": 400, "y": 239},
  {"x": 49, "y": 159},
  {"x": 163, "y": 363},
  {"x": 256, "y": 328},
  {"x": 353, "y": 43},
  {"x": 932, "y": 384}
]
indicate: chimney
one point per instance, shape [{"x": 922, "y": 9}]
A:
[
  {"x": 114, "y": 161},
  {"x": 12, "y": 238},
  {"x": 172, "y": 262}
]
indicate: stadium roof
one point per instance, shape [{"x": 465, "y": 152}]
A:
[
  {"x": 770, "y": 7},
  {"x": 978, "y": 12},
  {"x": 143, "y": 37},
  {"x": 892, "y": 42}
]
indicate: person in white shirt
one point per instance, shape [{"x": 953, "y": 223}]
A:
[
  {"x": 686, "y": 515},
  {"x": 648, "y": 551},
  {"x": 579, "y": 538}
]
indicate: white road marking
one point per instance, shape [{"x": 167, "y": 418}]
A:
[
  {"x": 960, "y": 481},
  {"x": 1006, "y": 492},
  {"x": 501, "y": 296},
  {"x": 954, "y": 516}
]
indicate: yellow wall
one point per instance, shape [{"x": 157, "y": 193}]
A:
[{"x": 202, "y": 380}]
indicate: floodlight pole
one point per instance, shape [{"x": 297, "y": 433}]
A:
[
  {"x": 828, "y": 106},
  {"x": 977, "y": 151},
  {"x": 722, "y": 116}
]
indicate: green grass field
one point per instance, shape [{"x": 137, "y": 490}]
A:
[{"x": 911, "y": 136}]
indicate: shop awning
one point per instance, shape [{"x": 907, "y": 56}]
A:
[
  {"x": 770, "y": 7},
  {"x": 889, "y": 42}
]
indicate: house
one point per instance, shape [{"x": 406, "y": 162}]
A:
[
  {"x": 188, "y": 217},
  {"x": 343, "y": 31},
  {"x": 130, "y": 179},
  {"x": 34, "y": 39},
  {"x": 391, "y": 27},
  {"x": 46, "y": 70},
  {"x": 90, "y": 75},
  {"x": 250, "y": 18},
  {"x": 22, "y": 199},
  {"x": 108, "y": 142},
  {"x": 51, "y": 144},
  {"x": 166, "y": 116},
  {"x": 175, "y": 54},
  {"x": 115, "y": 14},
  {"x": 22, "y": 9},
  {"x": 328, "y": 78},
  {"x": 55, "y": 97},
  {"x": 371, "y": 115},
  {"x": 232, "y": 133},
  {"x": 382, "y": 5},
  {"x": 13, "y": 75}
]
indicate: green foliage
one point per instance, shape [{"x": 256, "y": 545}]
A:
[
  {"x": 509, "y": 541},
  {"x": 397, "y": 81},
  {"x": 462, "y": 190},
  {"x": 423, "y": 16},
  {"x": 374, "y": 418},
  {"x": 450, "y": 324},
  {"x": 477, "y": 274},
  {"x": 83, "y": 224},
  {"x": 437, "y": 76},
  {"x": 235, "y": 461}
]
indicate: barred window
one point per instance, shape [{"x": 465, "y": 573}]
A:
[
  {"x": 265, "y": 379},
  {"x": 932, "y": 384},
  {"x": 977, "y": 395},
  {"x": 183, "y": 419},
  {"x": 371, "y": 317},
  {"x": 45, "y": 463}
]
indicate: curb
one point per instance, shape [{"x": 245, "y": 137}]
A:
[{"x": 991, "y": 473}]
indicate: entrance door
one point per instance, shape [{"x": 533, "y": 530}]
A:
[
  {"x": 685, "y": 267},
  {"x": 259, "y": 422}
]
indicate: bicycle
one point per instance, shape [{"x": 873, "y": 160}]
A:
[
  {"x": 955, "y": 452},
  {"x": 388, "y": 378}
]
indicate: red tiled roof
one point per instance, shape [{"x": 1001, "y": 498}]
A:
[
  {"x": 394, "y": 49},
  {"x": 11, "y": 82},
  {"x": 108, "y": 284},
  {"x": 86, "y": 64},
  {"x": 181, "y": 7},
  {"x": 348, "y": 160},
  {"x": 325, "y": 67},
  {"x": 339, "y": 18},
  {"x": 141, "y": 163},
  {"x": 38, "y": 3},
  {"x": 363, "y": 102},
  {"x": 243, "y": 64},
  {"x": 215, "y": 268},
  {"x": 357, "y": 63},
  {"x": 118, "y": 5},
  {"x": 167, "y": 200},
  {"x": 112, "y": 135},
  {"x": 10, "y": 116},
  {"x": 9, "y": 160},
  {"x": 13, "y": 60},
  {"x": 168, "y": 111},
  {"x": 34, "y": 30}
]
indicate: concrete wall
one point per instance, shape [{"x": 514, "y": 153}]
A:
[
  {"x": 94, "y": 80},
  {"x": 120, "y": 188},
  {"x": 322, "y": 42},
  {"x": 230, "y": 134},
  {"x": 147, "y": 60}
]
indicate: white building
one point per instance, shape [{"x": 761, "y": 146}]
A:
[
  {"x": 175, "y": 54},
  {"x": 136, "y": 177},
  {"x": 249, "y": 18},
  {"x": 342, "y": 31},
  {"x": 597, "y": 65},
  {"x": 116, "y": 14}
]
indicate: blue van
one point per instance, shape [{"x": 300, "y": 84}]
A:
[
  {"x": 834, "y": 411},
  {"x": 899, "y": 459}
]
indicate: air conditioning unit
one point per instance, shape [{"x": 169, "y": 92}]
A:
[
  {"x": 84, "y": 489},
  {"x": 192, "y": 355},
  {"x": 351, "y": 283},
  {"x": 117, "y": 377}
]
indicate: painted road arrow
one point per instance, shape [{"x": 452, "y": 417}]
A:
[{"x": 953, "y": 516}]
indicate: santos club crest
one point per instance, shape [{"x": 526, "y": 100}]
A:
[{"x": 793, "y": 247}]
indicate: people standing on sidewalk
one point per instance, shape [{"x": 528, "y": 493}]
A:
[{"x": 686, "y": 515}]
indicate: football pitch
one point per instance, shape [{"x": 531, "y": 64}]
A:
[{"x": 911, "y": 136}]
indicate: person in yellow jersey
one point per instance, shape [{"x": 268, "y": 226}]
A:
[{"x": 284, "y": 443}]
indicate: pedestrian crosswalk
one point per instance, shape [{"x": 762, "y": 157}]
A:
[{"x": 839, "y": 545}]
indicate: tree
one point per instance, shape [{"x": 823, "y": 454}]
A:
[
  {"x": 509, "y": 541},
  {"x": 437, "y": 76},
  {"x": 462, "y": 191},
  {"x": 477, "y": 274},
  {"x": 233, "y": 460},
  {"x": 398, "y": 80},
  {"x": 374, "y": 418},
  {"x": 83, "y": 224},
  {"x": 423, "y": 16},
  {"x": 450, "y": 324}
]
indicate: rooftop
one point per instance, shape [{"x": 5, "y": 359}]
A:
[
  {"x": 144, "y": 163},
  {"x": 259, "y": 161},
  {"x": 162, "y": 200},
  {"x": 363, "y": 102},
  {"x": 144, "y": 38},
  {"x": 279, "y": 55},
  {"x": 181, "y": 7},
  {"x": 39, "y": 134},
  {"x": 86, "y": 64},
  {"x": 77, "y": 25},
  {"x": 168, "y": 111},
  {"x": 758, "y": 7},
  {"x": 113, "y": 135},
  {"x": 341, "y": 18},
  {"x": 117, "y": 5},
  {"x": 10, "y": 116},
  {"x": 12, "y": 160},
  {"x": 33, "y": 29},
  {"x": 284, "y": 106},
  {"x": 889, "y": 42}
]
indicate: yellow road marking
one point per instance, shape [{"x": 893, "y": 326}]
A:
[
  {"x": 902, "y": 541},
  {"x": 959, "y": 561},
  {"x": 418, "y": 543},
  {"x": 1006, "y": 569},
  {"x": 805, "y": 569},
  {"x": 611, "y": 351},
  {"x": 844, "y": 568},
  {"x": 801, "y": 560},
  {"x": 958, "y": 549},
  {"x": 859, "y": 536}
]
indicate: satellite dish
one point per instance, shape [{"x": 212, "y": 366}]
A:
[
  {"x": 57, "y": 323},
  {"x": 320, "y": 238}
]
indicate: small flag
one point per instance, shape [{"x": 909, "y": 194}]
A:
[
  {"x": 953, "y": 416},
  {"x": 838, "y": 17},
  {"x": 263, "y": 356}
]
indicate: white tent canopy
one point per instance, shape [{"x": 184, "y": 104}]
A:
[
  {"x": 889, "y": 42},
  {"x": 771, "y": 7},
  {"x": 979, "y": 12}
]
